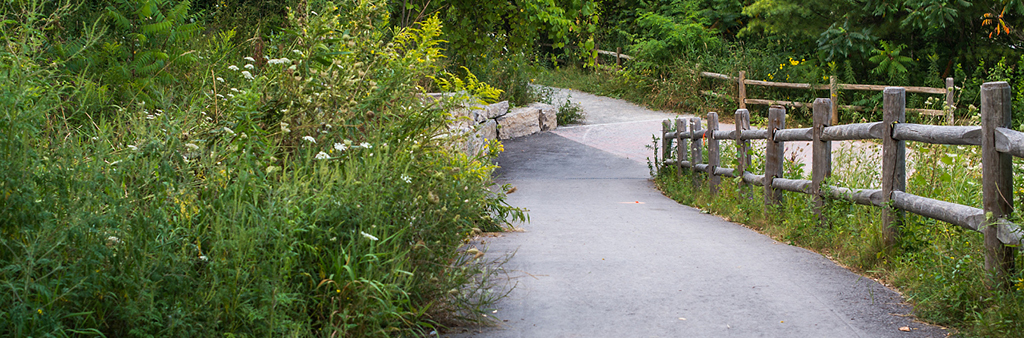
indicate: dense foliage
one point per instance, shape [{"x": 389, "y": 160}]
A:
[
  {"x": 913, "y": 42},
  {"x": 159, "y": 177}
]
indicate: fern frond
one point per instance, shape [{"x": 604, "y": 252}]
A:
[
  {"x": 162, "y": 28},
  {"x": 119, "y": 20},
  {"x": 179, "y": 11}
]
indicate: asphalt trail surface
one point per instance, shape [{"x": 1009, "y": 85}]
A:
[{"x": 607, "y": 255}]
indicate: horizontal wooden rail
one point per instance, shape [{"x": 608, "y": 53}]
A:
[
  {"x": 615, "y": 54},
  {"x": 749, "y": 178},
  {"x": 960, "y": 215},
  {"x": 786, "y": 184},
  {"x": 756, "y": 134},
  {"x": 857, "y": 131},
  {"x": 1010, "y": 141},
  {"x": 801, "y": 134},
  {"x": 860, "y": 196},
  {"x": 953, "y": 135},
  {"x": 725, "y": 135},
  {"x": 727, "y": 172}
]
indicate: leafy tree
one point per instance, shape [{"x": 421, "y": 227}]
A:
[{"x": 890, "y": 62}]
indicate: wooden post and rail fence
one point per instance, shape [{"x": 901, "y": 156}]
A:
[
  {"x": 998, "y": 144},
  {"x": 833, "y": 87}
]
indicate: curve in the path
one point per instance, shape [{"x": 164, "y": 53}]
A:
[{"x": 606, "y": 255}]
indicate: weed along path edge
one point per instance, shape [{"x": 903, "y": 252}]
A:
[{"x": 607, "y": 255}]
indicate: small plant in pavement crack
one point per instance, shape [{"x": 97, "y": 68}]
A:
[{"x": 569, "y": 112}]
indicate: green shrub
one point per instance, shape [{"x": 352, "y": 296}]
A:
[{"x": 312, "y": 194}]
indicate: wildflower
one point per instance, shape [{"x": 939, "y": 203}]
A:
[
  {"x": 95, "y": 138},
  {"x": 296, "y": 51},
  {"x": 284, "y": 128},
  {"x": 309, "y": 138},
  {"x": 340, "y": 147},
  {"x": 133, "y": 147},
  {"x": 322, "y": 156},
  {"x": 250, "y": 59},
  {"x": 249, "y": 66},
  {"x": 279, "y": 61},
  {"x": 112, "y": 241},
  {"x": 234, "y": 89},
  {"x": 365, "y": 145},
  {"x": 231, "y": 95},
  {"x": 40, "y": 311},
  {"x": 247, "y": 75},
  {"x": 203, "y": 258},
  {"x": 271, "y": 169},
  {"x": 406, "y": 178},
  {"x": 229, "y": 131},
  {"x": 191, "y": 146},
  {"x": 781, "y": 64},
  {"x": 793, "y": 62},
  {"x": 368, "y": 236},
  {"x": 233, "y": 67},
  {"x": 220, "y": 79},
  {"x": 220, "y": 96}
]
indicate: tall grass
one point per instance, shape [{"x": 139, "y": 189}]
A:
[{"x": 312, "y": 194}]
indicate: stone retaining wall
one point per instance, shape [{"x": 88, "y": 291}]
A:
[{"x": 483, "y": 123}]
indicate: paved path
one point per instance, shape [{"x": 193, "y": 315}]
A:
[{"x": 606, "y": 255}]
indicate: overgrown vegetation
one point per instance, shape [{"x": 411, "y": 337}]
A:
[
  {"x": 906, "y": 43},
  {"x": 155, "y": 181},
  {"x": 937, "y": 266}
]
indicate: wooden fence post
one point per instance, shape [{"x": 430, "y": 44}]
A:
[
  {"x": 996, "y": 177},
  {"x": 742, "y": 150},
  {"x": 666, "y": 143},
  {"x": 774, "y": 152},
  {"x": 742, "y": 97},
  {"x": 950, "y": 101},
  {"x": 833, "y": 94},
  {"x": 682, "y": 138},
  {"x": 695, "y": 151},
  {"x": 821, "y": 161},
  {"x": 713, "y": 153},
  {"x": 894, "y": 162}
]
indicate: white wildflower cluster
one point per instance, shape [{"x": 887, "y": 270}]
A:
[
  {"x": 322, "y": 156},
  {"x": 368, "y": 236},
  {"x": 309, "y": 139},
  {"x": 281, "y": 61}
]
